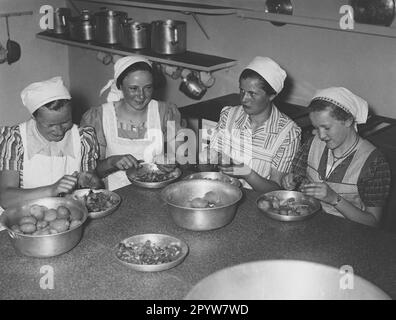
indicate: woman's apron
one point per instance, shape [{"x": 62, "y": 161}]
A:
[
  {"x": 348, "y": 188},
  {"x": 41, "y": 170},
  {"x": 239, "y": 146},
  {"x": 142, "y": 149}
]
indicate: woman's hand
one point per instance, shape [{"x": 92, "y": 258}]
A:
[
  {"x": 123, "y": 162},
  {"x": 321, "y": 191},
  {"x": 238, "y": 170},
  {"x": 66, "y": 184},
  {"x": 288, "y": 182}
]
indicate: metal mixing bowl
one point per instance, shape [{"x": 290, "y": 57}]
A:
[
  {"x": 314, "y": 205},
  {"x": 44, "y": 246},
  {"x": 284, "y": 280},
  {"x": 81, "y": 193},
  {"x": 212, "y": 175},
  {"x": 179, "y": 194}
]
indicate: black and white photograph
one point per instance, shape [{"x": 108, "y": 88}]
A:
[{"x": 197, "y": 155}]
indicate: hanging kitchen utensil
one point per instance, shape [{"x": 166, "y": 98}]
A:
[
  {"x": 280, "y": 7},
  {"x": 192, "y": 87},
  {"x": 13, "y": 48},
  {"x": 378, "y": 12}
]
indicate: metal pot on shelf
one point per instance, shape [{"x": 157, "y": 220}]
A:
[
  {"x": 136, "y": 35},
  {"x": 61, "y": 20},
  {"x": 109, "y": 26},
  {"x": 82, "y": 27},
  {"x": 168, "y": 36}
]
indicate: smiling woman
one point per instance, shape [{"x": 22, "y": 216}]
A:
[
  {"x": 43, "y": 156},
  {"x": 131, "y": 126}
]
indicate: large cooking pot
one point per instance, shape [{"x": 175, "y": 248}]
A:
[
  {"x": 43, "y": 246},
  {"x": 82, "y": 27},
  {"x": 168, "y": 36},
  {"x": 109, "y": 26},
  {"x": 136, "y": 35}
]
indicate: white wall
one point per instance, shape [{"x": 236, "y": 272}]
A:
[
  {"x": 313, "y": 59},
  {"x": 40, "y": 59}
]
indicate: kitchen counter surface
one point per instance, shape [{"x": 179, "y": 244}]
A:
[{"x": 90, "y": 271}]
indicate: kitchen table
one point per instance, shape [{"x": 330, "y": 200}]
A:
[{"x": 90, "y": 271}]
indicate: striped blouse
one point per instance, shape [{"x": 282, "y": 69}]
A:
[
  {"x": 11, "y": 149},
  {"x": 263, "y": 138}
]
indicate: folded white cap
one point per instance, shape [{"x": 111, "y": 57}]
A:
[
  {"x": 346, "y": 100},
  {"x": 270, "y": 71},
  {"x": 38, "y": 94},
  {"x": 121, "y": 65}
]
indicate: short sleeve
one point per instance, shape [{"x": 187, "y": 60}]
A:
[
  {"x": 89, "y": 149},
  {"x": 94, "y": 118},
  {"x": 287, "y": 150},
  {"x": 11, "y": 149},
  {"x": 215, "y": 140}
]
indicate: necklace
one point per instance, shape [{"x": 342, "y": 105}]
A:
[{"x": 343, "y": 156}]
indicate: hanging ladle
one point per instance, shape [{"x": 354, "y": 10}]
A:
[{"x": 13, "y": 48}]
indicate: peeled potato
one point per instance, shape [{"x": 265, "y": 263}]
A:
[
  {"x": 50, "y": 215},
  {"x": 199, "y": 203},
  {"x": 41, "y": 224},
  {"x": 60, "y": 225},
  {"x": 63, "y": 212},
  {"x": 264, "y": 205},
  {"x": 38, "y": 211},
  {"x": 76, "y": 215},
  {"x": 28, "y": 228},
  {"x": 27, "y": 220},
  {"x": 212, "y": 197}
]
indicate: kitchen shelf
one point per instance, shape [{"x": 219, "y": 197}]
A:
[
  {"x": 189, "y": 59},
  {"x": 169, "y": 6},
  {"x": 321, "y": 23}
]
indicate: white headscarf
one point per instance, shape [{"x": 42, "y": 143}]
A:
[
  {"x": 122, "y": 64},
  {"x": 346, "y": 100},
  {"x": 38, "y": 94},
  {"x": 270, "y": 71}
]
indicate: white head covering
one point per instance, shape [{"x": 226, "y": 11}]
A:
[
  {"x": 270, "y": 71},
  {"x": 38, "y": 94},
  {"x": 346, "y": 100},
  {"x": 121, "y": 65}
]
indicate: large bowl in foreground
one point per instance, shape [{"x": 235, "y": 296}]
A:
[
  {"x": 43, "y": 246},
  {"x": 213, "y": 175},
  {"x": 284, "y": 280},
  {"x": 179, "y": 197}
]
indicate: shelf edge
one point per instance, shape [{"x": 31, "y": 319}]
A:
[{"x": 164, "y": 60}]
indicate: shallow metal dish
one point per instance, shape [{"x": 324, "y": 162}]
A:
[
  {"x": 147, "y": 168},
  {"x": 314, "y": 204},
  {"x": 160, "y": 240},
  {"x": 178, "y": 196},
  {"x": 81, "y": 193},
  {"x": 283, "y": 280},
  {"x": 212, "y": 175},
  {"x": 43, "y": 246}
]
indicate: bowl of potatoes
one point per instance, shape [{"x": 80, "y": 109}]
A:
[
  {"x": 201, "y": 204},
  {"x": 45, "y": 227}
]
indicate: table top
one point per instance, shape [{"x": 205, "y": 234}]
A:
[{"x": 90, "y": 270}]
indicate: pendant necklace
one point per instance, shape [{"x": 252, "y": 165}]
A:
[{"x": 343, "y": 156}]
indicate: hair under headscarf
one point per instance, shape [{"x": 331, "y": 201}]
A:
[
  {"x": 346, "y": 100},
  {"x": 270, "y": 71},
  {"x": 40, "y": 93},
  {"x": 121, "y": 65}
]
